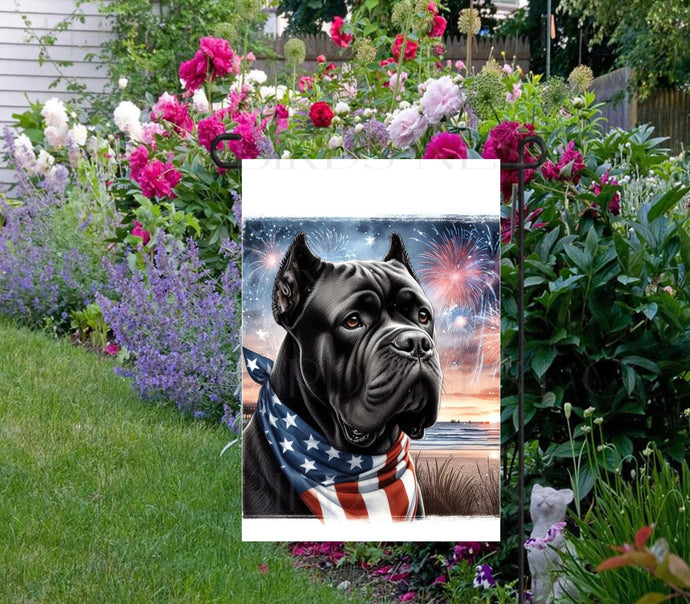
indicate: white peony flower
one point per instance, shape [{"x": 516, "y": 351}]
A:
[
  {"x": 54, "y": 113},
  {"x": 44, "y": 162},
  {"x": 77, "y": 134},
  {"x": 257, "y": 76},
  {"x": 126, "y": 116},
  {"x": 56, "y": 136},
  {"x": 286, "y": 155},
  {"x": 277, "y": 92},
  {"x": 200, "y": 102},
  {"x": 359, "y": 128},
  {"x": 442, "y": 98},
  {"x": 122, "y": 83},
  {"x": 334, "y": 142},
  {"x": 406, "y": 127},
  {"x": 342, "y": 108}
]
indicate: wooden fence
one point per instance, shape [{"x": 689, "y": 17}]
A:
[
  {"x": 667, "y": 110},
  {"x": 455, "y": 48}
]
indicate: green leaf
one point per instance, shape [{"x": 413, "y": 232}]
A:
[
  {"x": 629, "y": 376},
  {"x": 650, "y": 366},
  {"x": 580, "y": 258},
  {"x": 542, "y": 360},
  {"x": 651, "y": 598},
  {"x": 627, "y": 279},
  {"x": 666, "y": 202},
  {"x": 371, "y": 4}
]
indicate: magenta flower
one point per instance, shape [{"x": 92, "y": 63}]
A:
[
  {"x": 503, "y": 143},
  {"x": 438, "y": 27},
  {"x": 112, "y": 349},
  {"x": 615, "y": 203},
  {"x": 158, "y": 179},
  {"x": 215, "y": 58},
  {"x": 208, "y": 129},
  {"x": 169, "y": 109},
  {"x": 248, "y": 146},
  {"x": 446, "y": 145},
  {"x": 410, "y": 595},
  {"x": 138, "y": 231},
  {"x": 569, "y": 166},
  {"x": 138, "y": 159},
  {"x": 339, "y": 37}
]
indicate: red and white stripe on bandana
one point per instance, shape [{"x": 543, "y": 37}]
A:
[{"x": 335, "y": 485}]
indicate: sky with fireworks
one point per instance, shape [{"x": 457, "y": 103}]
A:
[{"x": 457, "y": 262}]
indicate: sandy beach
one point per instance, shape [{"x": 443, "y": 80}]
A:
[{"x": 460, "y": 461}]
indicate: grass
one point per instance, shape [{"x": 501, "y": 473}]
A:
[
  {"x": 104, "y": 498},
  {"x": 448, "y": 492}
]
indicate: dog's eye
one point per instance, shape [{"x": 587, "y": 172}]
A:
[
  {"x": 423, "y": 317},
  {"x": 353, "y": 322}
]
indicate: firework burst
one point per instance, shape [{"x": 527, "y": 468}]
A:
[
  {"x": 330, "y": 245},
  {"x": 458, "y": 267},
  {"x": 262, "y": 261}
]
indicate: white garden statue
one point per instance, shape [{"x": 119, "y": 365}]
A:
[{"x": 547, "y": 509}]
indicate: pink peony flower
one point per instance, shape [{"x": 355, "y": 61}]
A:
[
  {"x": 305, "y": 83},
  {"x": 438, "y": 27},
  {"x": 138, "y": 159},
  {"x": 407, "y": 126},
  {"x": 158, "y": 179},
  {"x": 193, "y": 72},
  {"x": 410, "y": 595},
  {"x": 169, "y": 109},
  {"x": 459, "y": 65},
  {"x": 321, "y": 59},
  {"x": 219, "y": 51},
  {"x": 446, "y": 145},
  {"x": 214, "y": 58},
  {"x": 569, "y": 166},
  {"x": 248, "y": 146},
  {"x": 615, "y": 203},
  {"x": 442, "y": 98},
  {"x": 503, "y": 143},
  {"x": 112, "y": 349},
  {"x": 138, "y": 231},
  {"x": 410, "y": 47},
  {"x": 513, "y": 96},
  {"x": 339, "y": 37},
  {"x": 431, "y": 7},
  {"x": 208, "y": 129},
  {"x": 149, "y": 131}
]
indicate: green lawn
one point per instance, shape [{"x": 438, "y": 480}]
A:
[{"x": 104, "y": 498}]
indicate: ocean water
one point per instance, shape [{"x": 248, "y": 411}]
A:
[{"x": 460, "y": 436}]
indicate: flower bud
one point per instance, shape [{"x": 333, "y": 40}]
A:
[
  {"x": 286, "y": 155},
  {"x": 335, "y": 142},
  {"x": 122, "y": 83},
  {"x": 567, "y": 409},
  {"x": 342, "y": 108}
]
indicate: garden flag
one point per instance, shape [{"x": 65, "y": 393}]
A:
[{"x": 371, "y": 343}]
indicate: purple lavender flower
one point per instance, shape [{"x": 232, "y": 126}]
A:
[{"x": 180, "y": 326}]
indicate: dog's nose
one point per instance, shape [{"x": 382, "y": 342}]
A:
[{"x": 414, "y": 344}]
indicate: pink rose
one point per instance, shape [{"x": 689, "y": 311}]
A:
[
  {"x": 438, "y": 27},
  {"x": 446, "y": 145},
  {"x": 339, "y": 37},
  {"x": 410, "y": 47}
]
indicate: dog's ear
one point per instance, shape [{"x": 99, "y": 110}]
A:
[
  {"x": 297, "y": 274},
  {"x": 397, "y": 251}
]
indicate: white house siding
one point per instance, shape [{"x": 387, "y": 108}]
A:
[{"x": 21, "y": 76}]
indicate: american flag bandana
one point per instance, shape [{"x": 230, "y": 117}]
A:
[{"x": 335, "y": 485}]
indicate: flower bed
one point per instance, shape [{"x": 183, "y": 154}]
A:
[{"x": 607, "y": 243}]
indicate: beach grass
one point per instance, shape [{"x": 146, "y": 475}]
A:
[
  {"x": 105, "y": 498},
  {"x": 458, "y": 487}
]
